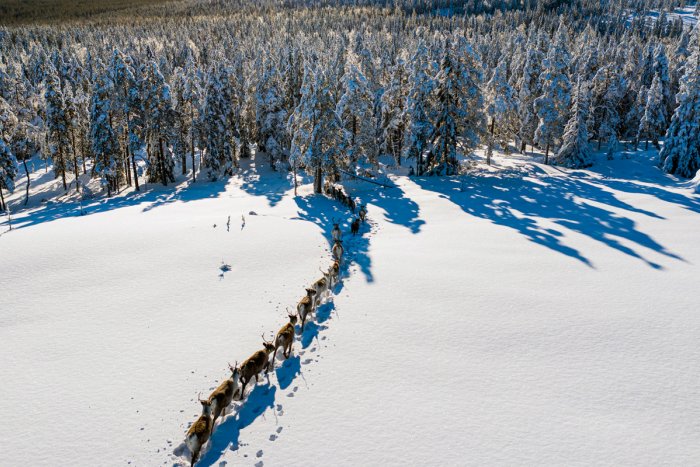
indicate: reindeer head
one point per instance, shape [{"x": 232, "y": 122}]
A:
[
  {"x": 206, "y": 405},
  {"x": 310, "y": 292},
  {"x": 268, "y": 345},
  {"x": 292, "y": 317},
  {"x": 234, "y": 370}
]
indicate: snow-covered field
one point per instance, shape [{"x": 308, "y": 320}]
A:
[{"x": 525, "y": 316}]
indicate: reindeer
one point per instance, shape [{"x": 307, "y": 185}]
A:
[
  {"x": 224, "y": 394},
  {"x": 363, "y": 212},
  {"x": 333, "y": 274},
  {"x": 321, "y": 286},
  {"x": 351, "y": 204},
  {"x": 337, "y": 250},
  {"x": 335, "y": 232},
  {"x": 255, "y": 364},
  {"x": 198, "y": 434},
  {"x": 285, "y": 338},
  {"x": 306, "y": 306},
  {"x": 355, "y": 226}
]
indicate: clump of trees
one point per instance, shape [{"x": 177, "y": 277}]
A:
[{"x": 197, "y": 86}]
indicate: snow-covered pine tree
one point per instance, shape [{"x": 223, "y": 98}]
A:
[
  {"x": 681, "y": 152},
  {"x": 502, "y": 110},
  {"x": 394, "y": 114},
  {"x": 219, "y": 125},
  {"x": 103, "y": 138},
  {"x": 57, "y": 126},
  {"x": 458, "y": 108},
  {"x": 654, "y": 121},
  {"x": 8, "y": 172},
  {"x": 529, "y": 89},
  {"x": 121, "y": 74},
  {"x": 661, "y": 70},
  {"x": 355, "y": 109},
  {"x": 575, "y": 152},
  {"x": 552, "y": 106},
  {"x": 607, "y": 90},
  {"x": 271, "y": 117},
  {"x": 136, "y": 119},
  {"x": 314, "y": 127},
  {"x": 159, "y": 125},
  {"x": 419, "y": 128}
]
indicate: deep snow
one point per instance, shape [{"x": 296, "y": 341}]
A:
[{"x": 527, "y": 315}]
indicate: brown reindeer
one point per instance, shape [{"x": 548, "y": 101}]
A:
[
  {"x": 285, "y": 338},
  {"x": 224, "y": 394},
  {"x": 255, "y": 364},
  {"x": 306, "y": 306},
  {"x": 363, "y": 212},
  {"x": 337, "y": 250},
  {"x": 336, "y": 234},
  {"x": 333, "y": 274},
  {"x": 355, "y": 226},
  {"x": 198, "y": 434}
]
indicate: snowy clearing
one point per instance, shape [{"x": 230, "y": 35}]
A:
[{"x": 533, "y": 316}]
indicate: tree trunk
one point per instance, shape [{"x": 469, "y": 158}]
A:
[
  {"x": 523, "y": 147},
  {"x": 63, "y": 168},
  {"x": 136, "y": 174},
  {"x": 318, "y": 180},
  {"x": 490, "y": 148},
  {"x": 26, "y": 171},
  {"x": 184, "y": 161},
  {"x": 294, "y": 171},
  {"x": 3, "y": 208},
  {"x": 161, "y": 160},
  {"x": 194, "y": 178},
  {"x": 127, "y": 165},
  {"x": 546, "y": 154}
]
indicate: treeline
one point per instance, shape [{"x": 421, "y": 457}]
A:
[{"x": 340, "y": 87}]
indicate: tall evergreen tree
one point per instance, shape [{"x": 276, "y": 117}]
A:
[
  {"x": 502, "y": 110},
  {"x": 102, "y": 135},
  {"x": 552, "y": 106},
  {"x": 681, "y": 152},
  {"x": 575, "y": 151},
  {"x": 458, "y": 107},
  {"x": 57, "y": 126},
  {"x": 654, "y": 121}
]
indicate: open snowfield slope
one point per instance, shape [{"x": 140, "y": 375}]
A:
[{"x": 527, "y": 316}]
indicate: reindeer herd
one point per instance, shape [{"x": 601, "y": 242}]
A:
[{"x": 234, "y": 387}]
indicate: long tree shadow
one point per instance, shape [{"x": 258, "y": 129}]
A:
[
  {"x": 257, "y": 178},
  {"x": 151, "y": 198},
  {"x": 323, "y": 211},
  {"x": 574, "y": 202}
]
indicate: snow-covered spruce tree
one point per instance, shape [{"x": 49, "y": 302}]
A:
[
  {"x": 458, "y": 109},
  {"x": 661, "y": 70},
  {"x": 8, "y": 172},
  {"x": 103, "y": 138},
  {"x": 552, "y": 106},
  {"x": 419, "y": 128},
  {"x": 271, "y": 117},
  {"x": 681, "y": 152},
  {"x": 394, "y": 116},
  {"x": 121, "y": 74},
  {"x": 159, "y": 125},
  {"x": 654, "y": 121},
  {"x": 575, "y": 151},
  {"x": 355, "y": 109},
  {"x": 529, "y": 89},
  {"x": 73, "y": 121},
  {"x": 314, "y": 127},
  {"x": 57, "y": 126},
  {"x": 606, "y": 94},
  {"x": 502, "y": 110},
  {"x": 136, "y": 119},
  {"x": 219, "y": 125}
]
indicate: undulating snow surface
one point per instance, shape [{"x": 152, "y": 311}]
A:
[{"x": 526, "y": 316}]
